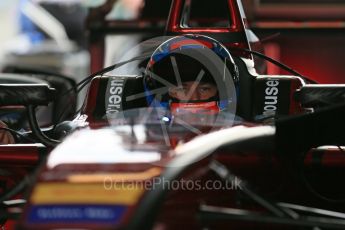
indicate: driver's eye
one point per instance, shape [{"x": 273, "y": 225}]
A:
[{"x": 204, "y": 89}]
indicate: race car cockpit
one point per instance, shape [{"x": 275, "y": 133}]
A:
[{"x": 254, "y": 97}]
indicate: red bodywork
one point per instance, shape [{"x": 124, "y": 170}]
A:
[
  {"x": 306, "y": 35},
  {"x": 237, "y": 26},
  {"x": 266, "y": 172}
]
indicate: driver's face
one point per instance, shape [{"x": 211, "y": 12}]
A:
[{"x": 192, "y": 90}]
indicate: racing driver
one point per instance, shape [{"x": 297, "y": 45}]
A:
[{"x": 192, "y": 73}]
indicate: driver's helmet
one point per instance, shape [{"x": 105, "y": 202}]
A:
[{"x": 192, "y": 73}]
